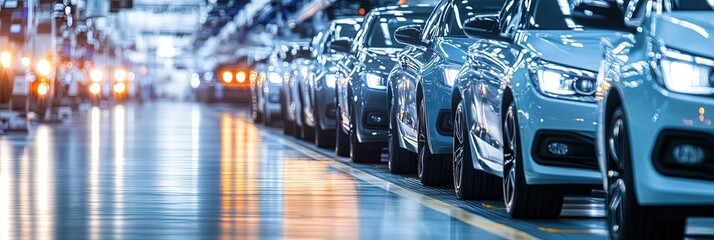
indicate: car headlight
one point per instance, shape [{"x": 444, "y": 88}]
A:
[
  {"x": 375, "y": 81},
  {"x": 96, "y": 75},
  {"x": 6, "y": 59},
  {"x": 275, "y": 77},
  {"x": 564, "y": 82},
  {"x": 450, "y": 75},
  {"x": 44, "y": 67},
  {"x": 686, "y": 73},
  {"x": 120, "y": 75},
  {"x": 227, "y": 76},
  {"x": 330, "y": 80}
]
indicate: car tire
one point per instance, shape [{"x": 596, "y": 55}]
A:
[
  {"x": 256, "y": 116},
  {"x": 626, "y": 219},
  {"x": 288, "y": 126},
  {"x": 323, "y": 138},
  {"x": 523, "y": 200},
  {"x": 432, "y": 169},
  {"x": 470, "y": 183},
  {"x": 268, "y": 119},
  {"x": 362, "y": 152},
  {"x": 401, "y": 161},
  {"x": 6, "y": 85}
]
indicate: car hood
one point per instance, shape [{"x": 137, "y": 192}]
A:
[
  {"x": 579, "y": 49},
  {"x": 692, "y": 32},
  {"x": 456, "y": 49},
  {"x": 380, "y": 60}
]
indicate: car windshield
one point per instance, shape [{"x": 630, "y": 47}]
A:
[
  {"x": 693, "y": 5},
  {"x": 560, "y": 15},
  {"x": 465, "y": 9},
  {"x": 346, "y": 30},
  {"x": 380, "y": 33}
]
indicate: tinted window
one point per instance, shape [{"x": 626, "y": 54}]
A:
[
  {"x": 690, "y": 5},
  {"x": 560, "y": 15},
  {"x": 382, "y": 29},
  {"x": 465, "y": 9},
  {"x": 345, "y": 31}
]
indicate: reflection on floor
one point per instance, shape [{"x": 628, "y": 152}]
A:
[{"x": 180, "y": 170}]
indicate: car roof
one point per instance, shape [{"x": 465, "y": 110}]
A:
[
  {"x": 401, "y": 9},
  {"x": 348, "y": 20}
]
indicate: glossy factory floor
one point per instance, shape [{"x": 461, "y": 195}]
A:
[{"x": 191, "y": 171}]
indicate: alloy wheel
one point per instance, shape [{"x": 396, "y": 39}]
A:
[
  {"x": 510, "y": 157},
  {"x": 459, "y": 146},
  {"x": 617, "y": 143}
]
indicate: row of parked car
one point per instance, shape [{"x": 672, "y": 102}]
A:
[{"x": 520, "y": 100}]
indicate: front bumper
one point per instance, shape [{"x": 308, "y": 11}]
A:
[
  {"x": 271, "y": 98},
  {"x": 561, "y": 119},
  {"x": 326, "y": 107},
  {"x": 667, "y": 115},
  {"x": 369, "y": 106}
]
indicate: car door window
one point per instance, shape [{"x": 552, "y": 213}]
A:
[
  {"x": 432, "y": 24},
  {"x": 460, "y": 11}
]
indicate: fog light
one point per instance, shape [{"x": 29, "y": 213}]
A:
[
  {"x": 95, "y": 88},
  {"x": 119, "y": 87},
  {"x": 687, "y": 154},
  {"x": 558, "y": 149},
  {"x": 43, "y": 88},
  {"x": 375, "y": 119}
]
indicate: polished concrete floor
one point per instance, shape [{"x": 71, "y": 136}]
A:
[{"x": 191, "y": 171}]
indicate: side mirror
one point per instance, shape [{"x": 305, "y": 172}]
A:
[
  {"x": 409, "y": 35},
  {"x": 341, "y": 45},
  {"x": 482, "y": 27}
]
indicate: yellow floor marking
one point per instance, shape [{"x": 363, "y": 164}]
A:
[
  {"x": 472, "y": 219},
  {"x": 489, "y": 206},
  {"x": 555, "y": 230}
]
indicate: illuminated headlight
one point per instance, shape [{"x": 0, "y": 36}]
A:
[
  {"x": 44, "y": 67},
  {"x": 43, "y": 88},
  {"x": 95, "y": 88},
  {"x": 450, "y": 75},
  {"x": 6, "y": 59},
  {"x": 564, "y": 82},
  {"x": 375, "y": 81},
  {"x": 686, "y": 73},
  {"x": 275, "y": 77},
  {"x": 25, "y": 61},
  {"x": 96, "y": 75},
  {"x": 330, "y": 80},
  {"x": 120, "y": 87},
  {"x": 195, "y": 81},
  {"x": 227, "y": 76},
  {"x": 120, "y": 75}
]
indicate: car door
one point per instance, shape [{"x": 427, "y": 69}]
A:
[
  {"x": 495, "y": 59},
  {"x": 346, "y": 67},
  {"x": 413, "y": 63}
]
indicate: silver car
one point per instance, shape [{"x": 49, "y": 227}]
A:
[
  {"x": 524, "y": 107},
  {"x": 362, "y": 81},
  {"x": 318, "y": 87},
  {"x": 655, "y": 132},
  {"x": 419, "y": 91}
]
